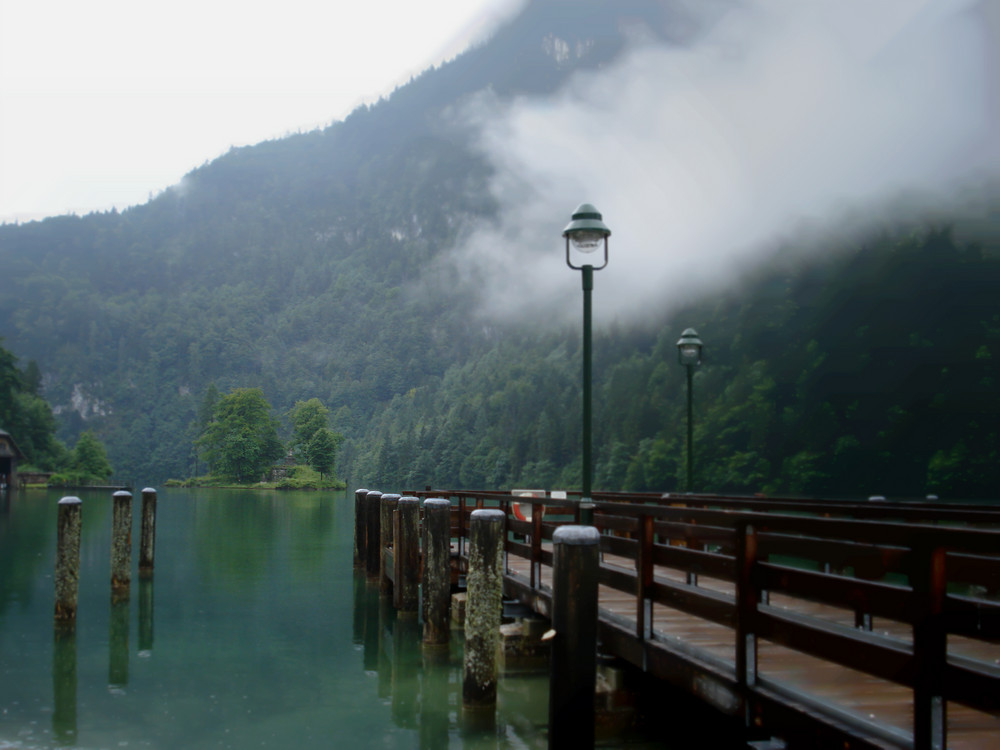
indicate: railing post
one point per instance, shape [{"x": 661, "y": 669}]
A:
[
  {"x": 573, "y": 663},
  {"x": 406, "y": 557},
  {"x": 747, "y": 598},
  {"x": 359, "y": 527},
  {"x": 537, "y": 513},
  {"x": 121, "y": 545},
  {"x": 483, "y": 608},
  {"x": 436, "y": 585},
  {"x": 373, "y": 535},
  {"x": 462, "y": 527},
  {"x": 387, "y": 507},
  {"x": 67, "y": 570},
  {"x": 147, "y": 533},
  {"x": 930, "y": 647},
  {"x": 644, "y": 579}
]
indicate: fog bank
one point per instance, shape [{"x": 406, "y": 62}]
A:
[{"x": 781, "y": 118}]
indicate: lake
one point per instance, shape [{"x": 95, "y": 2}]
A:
[{"x": 253, "y": 633}]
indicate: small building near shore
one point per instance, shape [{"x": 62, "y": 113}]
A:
[{"x": 10, "y": 454}]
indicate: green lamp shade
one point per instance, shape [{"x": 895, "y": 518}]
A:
[{"x": 586, "y": 231}]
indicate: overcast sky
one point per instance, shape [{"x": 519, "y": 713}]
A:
[{"x": 106, "y": 102}]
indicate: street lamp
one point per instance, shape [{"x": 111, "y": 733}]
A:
[
  {"x": 586, "y": 234},
  {"x": 689, "y": 354}
]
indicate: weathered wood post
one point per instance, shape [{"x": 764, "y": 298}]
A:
[
  {"x": 573, "y": 663},
  {"x": 386, "y": 509},
  {"x": 373, "y": 555},
  {"x": 67, "y": 572},
  {"x": 147, "y": 535},
  {"x": 407, "y": 557},
  {"x": 121, "y": 545},
  {"x": 359, "y": 528},
  {"x": 436, "y": 586},
  {"x": 483, "y": 609}
]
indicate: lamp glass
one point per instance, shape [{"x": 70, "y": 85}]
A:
[
  {"x": 690, "y": 354},
  {"x": 585, "y": 241}
]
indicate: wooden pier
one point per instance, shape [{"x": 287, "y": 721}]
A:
[{"x": 822, "y": 623}]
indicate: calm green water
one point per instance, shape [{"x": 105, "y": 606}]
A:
[{"x": 253, "y": 633}]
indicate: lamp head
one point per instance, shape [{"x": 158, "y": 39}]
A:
[
  {"x": 586, "y": 233},
  {"x": 689, "y": 348}
]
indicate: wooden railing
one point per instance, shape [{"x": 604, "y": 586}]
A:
[{"x": 930, "y": 570}]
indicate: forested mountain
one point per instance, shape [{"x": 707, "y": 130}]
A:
[{"x": 311, "y": 267}]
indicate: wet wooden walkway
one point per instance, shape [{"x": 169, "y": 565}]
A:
[{"x": 801, "y": 621}]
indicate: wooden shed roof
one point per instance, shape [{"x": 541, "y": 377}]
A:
[{"x": 8, "y": 448}]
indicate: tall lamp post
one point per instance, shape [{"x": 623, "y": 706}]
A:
[
  {"x": 586, "y": 234},
  {"x": 689, "y": 354}
]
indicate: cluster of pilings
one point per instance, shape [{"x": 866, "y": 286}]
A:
[
  {"x": 67, "y": 567},
  {"x": 414, "y": 568},
  {"x": 67, "y": 588}
]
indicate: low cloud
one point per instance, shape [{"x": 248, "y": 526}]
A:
[{"x": 784, "y": 114}]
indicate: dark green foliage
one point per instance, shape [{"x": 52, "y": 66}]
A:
[
  {"x": 321, "y": 451},
  {"x": 27, "y": 416},
  {"x": 89, "y": 457},
  {"x": 88, "y": 463},
  {"x": 312, "y": 438}
]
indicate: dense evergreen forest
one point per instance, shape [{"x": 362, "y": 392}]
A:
[{"x": 299, "y": 267}]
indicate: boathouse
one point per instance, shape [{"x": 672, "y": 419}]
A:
[{"x": 10, "y": 454}]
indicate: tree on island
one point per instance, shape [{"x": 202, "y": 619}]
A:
[
  {"x": 89, "y": 458},
  {"x": 241, "y": 442},
  {"x": 312, "y": 440},
  {"x": 88, "y": 463}
]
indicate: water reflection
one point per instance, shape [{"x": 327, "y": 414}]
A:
[
  {"x": 423, "y": 685},
  {"x": 64, "y": 683},
  {"x": 118, "y": 644},
  {"x": 273, "y": 655},
  {"x": 405, "y": 666},
  {"x": 434, "y": 701},
  {"x": 145, "y": 616},
  {"x": 238, "y": 541}
]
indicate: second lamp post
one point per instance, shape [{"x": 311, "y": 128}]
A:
[
  {"x": 689, "y": 354},
  {"x": 586, "y": 234}
]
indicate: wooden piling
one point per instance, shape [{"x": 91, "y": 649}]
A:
[
  {"x": 573, "y": 664},
  {"x": 483, "y": 609},
  {"x": 67, "y": 570},
  {"x": 359, "y": 527},
  {"x": 406, "y": 557},
  {"x": 147, "y": 537},
  {"x": 121, "y": 545},
  {"x": 436, "y": 585},
  {"x": 387, "y": 507},
  {"x": 373, "y": 555}
]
